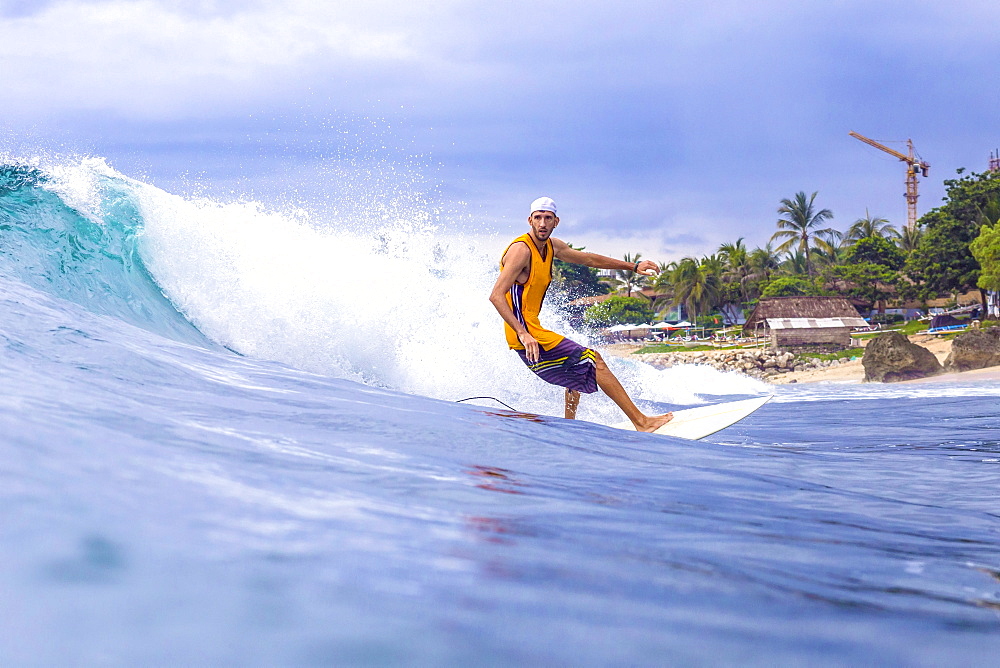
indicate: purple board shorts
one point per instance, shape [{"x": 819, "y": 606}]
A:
[{"x": 568, "y": 364}]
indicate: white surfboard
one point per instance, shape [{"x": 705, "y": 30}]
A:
[{"x": 695, "y": 423}]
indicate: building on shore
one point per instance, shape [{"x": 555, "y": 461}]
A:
[{"x": 805, "y": 323}]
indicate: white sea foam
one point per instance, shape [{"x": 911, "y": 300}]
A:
[{"x": 931, "y": 389}]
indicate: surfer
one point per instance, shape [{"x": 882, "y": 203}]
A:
[{"x": 525, "y": 273}]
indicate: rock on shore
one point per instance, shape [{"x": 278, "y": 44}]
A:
[
  {"x": 974, "y": 349},
  {"x": 761, "y": 364},
  {"x": 892, "y": 357}
]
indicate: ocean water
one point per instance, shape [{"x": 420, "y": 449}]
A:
[{"x": 229, "y": 435}]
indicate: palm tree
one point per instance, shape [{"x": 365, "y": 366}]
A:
[
  {"x": 696, "y": 284},
  {"x": 798, "y": 223},
  {"x": 733, "y": 253},
  {"x": 737, "y": 266},
  {"x": 831, "y": 247},
  {"x": 713, "y": 263},
  {"x": 871, "y": 226},
  {"x": 663, "y": 285},
  {"x": 764, "y": 261},
  {"x": 626, "y": 280},
  {"x": 909, "y": 239},
  {"x": 795, "y": 263}
]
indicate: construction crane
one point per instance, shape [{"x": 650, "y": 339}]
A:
[{"x": 913, "y": 165}]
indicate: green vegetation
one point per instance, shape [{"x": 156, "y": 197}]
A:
[
  {"x": 986, "y": 249},
  {"x": 942, "y": 261},
  {"x": 871, "y": 269},
  {"x": 618, "y": 310},
  {"x": 913, "y": 327},
  {"x": 954, "y": 248},
  {"x": 791, "y": 286},
  {"x": 577, "y": 280}
]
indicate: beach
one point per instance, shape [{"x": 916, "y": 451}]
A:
[{"x": 851, "y": 371}]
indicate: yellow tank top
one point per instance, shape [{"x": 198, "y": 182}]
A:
[{"x": 526, "y": 300}]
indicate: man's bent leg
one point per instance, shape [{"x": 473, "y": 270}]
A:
[
  {"x": 572, "y": 403},
  {"x": 610, "y": 385}
]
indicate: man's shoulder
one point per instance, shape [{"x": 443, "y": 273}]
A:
[
  {"x": 522, "y": 241},
  {"x": 517, "y": 249}
]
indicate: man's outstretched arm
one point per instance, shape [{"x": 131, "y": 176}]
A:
[
  {"x": 518, "y": 257},
  {"x": 574, "y": 256}
]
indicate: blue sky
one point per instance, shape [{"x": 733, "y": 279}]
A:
[{"x": 661, "y": 127}]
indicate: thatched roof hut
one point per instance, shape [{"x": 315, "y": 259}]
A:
[
  {"x": 800, "y": 307},
  {"x": 796, "y": 322}
]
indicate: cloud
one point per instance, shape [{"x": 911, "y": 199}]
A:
[
  {"x": 667, "y": 112},
  {"x": 153, "y": 60}
]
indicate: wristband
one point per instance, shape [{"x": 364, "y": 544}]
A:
[{"x": 636, "y": 270}]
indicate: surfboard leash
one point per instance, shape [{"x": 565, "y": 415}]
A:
[{"x": 491, "y": 398}]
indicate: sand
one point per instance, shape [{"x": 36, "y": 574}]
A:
[{"x": 854, "y": 372}]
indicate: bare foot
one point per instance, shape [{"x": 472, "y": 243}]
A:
[{"x": 654, "y": 422}]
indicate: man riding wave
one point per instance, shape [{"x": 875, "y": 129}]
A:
[{"x": 525, "y": 274}]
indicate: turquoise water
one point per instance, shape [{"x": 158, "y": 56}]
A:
[{"x": 228, "y": 435}]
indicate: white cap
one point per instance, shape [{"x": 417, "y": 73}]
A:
[{"x": 543, "y": 204}]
